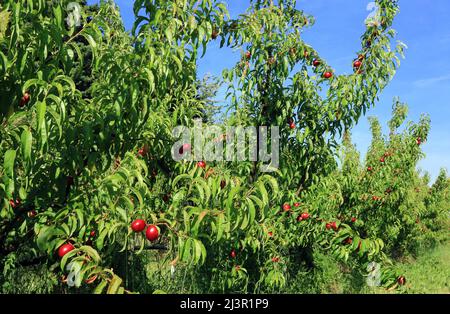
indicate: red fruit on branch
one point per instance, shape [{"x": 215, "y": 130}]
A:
[
  {"x": 32, "y": 213},
  {"x": 348, "y": 241},
  {"x": 214, "y": 34},
  {"x": 69, "y": 181},
  {"x": 15, "y": 203},
  {"x": 92, "y": 233},
  {"x": 223, "y": 184},
  {"x": 152, "y": 233},
  {"x": 299, "y": 218},
  {"x": 142, "y": 152},
  {"x": 286, "y": 207},
  {"x": 357, "y": 64},
  {"x": 353, "y": 219},
  {"x": 419, "y": 141},
  {"x": 316, "y": 63},
  {"x": 248, "y": 55},
  {"x": 64, "y": 249},
  {"x": 138, "y": 225},
  {"x": 275, "y": 259},
  {"x": 327, "y": 75},
  {"x": 270, "y": 234},
  {"x": 292, "y": 125},
  {"x": 297, "y": 204},
  {"x": 401, "y": 280},
  {"x": 382, "y": 159},
  {"x": 328, "y": 226},
  {"x": 201, "y": 164},
  {"x": 233, "y": 254},
  {"x": 306, "y": 54},
  {"x": 184, "y": 148},
  {"x": 166, "y": 198},
  {"x": 24, "y": 100},
  {"x": 26, "y": 97},
  {"x": 305, "y": 216},
  {"x": 334, "y": 226}
]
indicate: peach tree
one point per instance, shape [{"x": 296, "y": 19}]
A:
[
  {"x": 386, "y": 196},
  {"x": 85, "y": 173}
]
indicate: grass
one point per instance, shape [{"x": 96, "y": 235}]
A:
[{"x": 429, "y": 273}]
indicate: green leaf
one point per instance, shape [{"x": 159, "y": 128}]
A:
[
  {"x": 4, "y": 20},
  {"x": 180, "y": 177},
  {"x": 91, "y": 41},
  {"x": 199, "y": 220},
  {"x": 23, "y": 62},
  {"x": 220, "y": 226},
  {"x": 251, "y": 212},
  {"x": 230, "y": 199},
  {"x": 26, "y": 140},
  {"x": 91, "y": 252},
  {"x": 101, "y": 238},
  {"x": 244, "y": 222},
  {"x": 263, "y": 192},
  {"x": 32, "y": 82},
  {"x": 114, "y": 285},
  {"x": 80, "y": 215},
  {"x": 123, "y": 213},
  {"x": 41, "y": 108},
  {"x": 8, "y": 163},
  {"x": 43, "y": 237},
  {"x": 58, "y": 15},
  {"x": 3, "y": 63},
  {"x": 99, "y": 289},
  {"x": 186, "y": 250},
  {"x": 187, "y": 221},
  {"x": 169, "y": 35}
]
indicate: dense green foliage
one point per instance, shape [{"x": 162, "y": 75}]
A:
[{"x": 87, "y": 115}]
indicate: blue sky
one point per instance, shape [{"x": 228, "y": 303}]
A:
[{"x": 422, "y": 81}]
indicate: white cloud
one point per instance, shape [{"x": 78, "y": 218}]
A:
[{"x": 431, "y": 81}]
